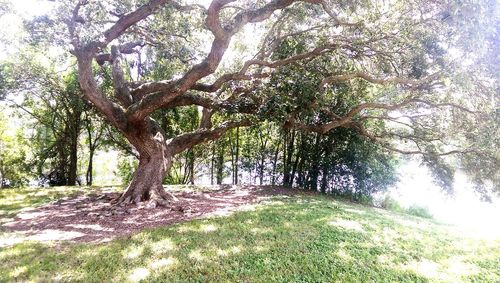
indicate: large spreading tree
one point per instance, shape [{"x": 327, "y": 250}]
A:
[{"x": 393, "y": 71}]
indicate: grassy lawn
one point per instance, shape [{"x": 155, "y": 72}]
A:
[{"x": 292, "y": 239}]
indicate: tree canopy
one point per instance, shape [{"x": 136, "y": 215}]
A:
[{"x": 345, "y": 84}]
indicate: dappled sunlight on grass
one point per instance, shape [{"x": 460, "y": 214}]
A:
[
  {"x": 196, "y": 255},
  {"x": 257, "y": 230},
  {"x": 208, "y": 228},
  {"x": 163, "y": 263},
  {"x": 343, "y": 255},
  {"x": 459, "y": 267},
  {"x": 162, "y": 246},
  {"x": 55, "y": 235},
  {"x": 297, "y": 239},
  {"x": 13, "y": 200},
  {"x": 138, "y": 274},
  {"x": 133, "y": 252},
  {"x": 49, "y": 235},
  {"x": 348, "y": 224},
  {"x": 352, "y": 210},
  {"x": 425, "y": 268}
]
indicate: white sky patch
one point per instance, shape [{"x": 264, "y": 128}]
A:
[
  {"x": 12, "y": 23},
  {"x": 31, "y": 8},
  {"x": 204, "y": 3},
  {"x": 464, "y": 209}
]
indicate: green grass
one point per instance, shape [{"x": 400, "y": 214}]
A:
[{"x": 296, "y": 239}]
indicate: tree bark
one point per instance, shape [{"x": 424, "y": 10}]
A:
[
  {"x": 1, "y": 174},
  {"x": 275, "y": 163},
  {"x": 73, "y": 159},
  {"x": 155, "y": 160},
  {"x": 212, "y": 163},
  {"x": 90, "y": 168},
  {"x": 219, "y": 166},
  {"x": 288, "y": 149},
  {"x": 191, "y": 158},
  {"x": 237, "y": 157}
]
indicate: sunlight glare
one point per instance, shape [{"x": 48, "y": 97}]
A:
[
  {"x": 163, "y": 263},
  {"x": 139, "y": 274}
]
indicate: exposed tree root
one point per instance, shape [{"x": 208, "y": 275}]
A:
[{"x": 149, "y": 199}]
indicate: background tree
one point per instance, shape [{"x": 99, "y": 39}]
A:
[
  {"x": 57, "y": 114},
  {"x": 14, "y": 169}
]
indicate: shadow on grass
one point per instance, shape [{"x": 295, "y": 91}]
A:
[
  {"x": 92, "y": 218},
  {"x": 13, "y": 200},
  {"x": 311, "y": 239}
]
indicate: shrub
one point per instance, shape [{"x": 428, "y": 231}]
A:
[
  {"x": 365, "y": 200},
  {"x": 126, "y": 168},
  {"x": 419, "y": 211},
  {"x": 391, "y": 204}
]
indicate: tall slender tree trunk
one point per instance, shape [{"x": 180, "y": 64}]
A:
[
  {"x": 275, "y": 163},
  {"x": 73, "y": 161},
  {"x": 288, "y": 148},
  {"x": 298, "y": 158},
  {"x": 190, "y": 160},
  {"x": 89, "y": 176},
  {"x": 219, "y": 164},
  {"x": 74, "y": 133},
  {"x": 324, "y": 166},
  {"x": 212, "y": 163},
  {"x": 2, "y": 170},
  {"x": 262, "y": 153},
  {"x": 60, "y": 177},
  {"x": 285, "y": 163},
  {"x": 90, "y": 167},
  {"x": 236, "y": 157},
  {"x": 314, "y": 169}
]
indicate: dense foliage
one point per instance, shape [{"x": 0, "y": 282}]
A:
[{"x": 314, "y": 94}]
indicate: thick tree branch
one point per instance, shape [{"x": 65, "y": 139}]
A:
[
  {"x": 113, "y": 112},
  {"x": 362, "y": 130},
  {"x": 127, "y": 48},
  {"x": 222, "y": 38},
  {"x": 130, "y": 19},
  {"x": 348, "y": 119},
  {"x": 122, "y": 92},
  {"x": 185, "y": 141},
  {"x": 228, "y": 78},
  {"x": 206, "y": 118},
  {"x": 166, "y": 86}
]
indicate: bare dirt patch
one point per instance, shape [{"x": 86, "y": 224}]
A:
[{"x": 92, "y": 218}]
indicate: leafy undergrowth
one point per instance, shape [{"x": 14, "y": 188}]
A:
[{"x": 288, "y": 239}]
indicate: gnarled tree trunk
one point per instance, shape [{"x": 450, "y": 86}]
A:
[{"x": 155, "y": 160}]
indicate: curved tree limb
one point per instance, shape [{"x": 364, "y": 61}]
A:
[{"x": 185, "y": 141}]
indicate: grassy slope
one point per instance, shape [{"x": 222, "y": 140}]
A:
[{"x": 298, "y": 239}]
